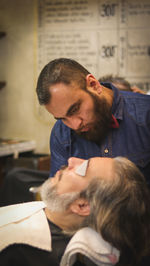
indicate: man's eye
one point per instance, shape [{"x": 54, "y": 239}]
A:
[{"x": 74, "y": 110}]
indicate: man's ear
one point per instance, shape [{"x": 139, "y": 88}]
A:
[
  {"x": 80, "y": 207},
  {"x": 93, "y": 83}
]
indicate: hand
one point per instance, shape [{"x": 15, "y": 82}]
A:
[{"x": 136, "y": 89}]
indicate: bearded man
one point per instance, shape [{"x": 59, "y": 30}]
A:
[{"x": 93, "y": 119}]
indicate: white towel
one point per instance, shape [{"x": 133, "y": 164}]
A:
[
  {"x": 90, "y": 244},
  {"x": 25, "y": 223}
]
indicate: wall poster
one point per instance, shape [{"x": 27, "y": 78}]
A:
[{"x": 106, "y": 36}]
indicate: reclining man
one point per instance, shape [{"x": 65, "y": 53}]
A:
[{"x": 107, "y": 195}]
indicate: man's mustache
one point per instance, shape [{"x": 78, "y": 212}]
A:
[{"x": 79, "y": 130}]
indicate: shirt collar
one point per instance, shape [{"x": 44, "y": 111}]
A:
[
  {"x": 114, "y": 123},
  {"x": 118, "y": 103}
]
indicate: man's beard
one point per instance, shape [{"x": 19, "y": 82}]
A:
[
  {"x": 103, "y": 118},
  {"x": 55, "y": 202}
]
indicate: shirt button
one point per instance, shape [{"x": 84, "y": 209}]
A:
[{"x": 106, "y": 150}]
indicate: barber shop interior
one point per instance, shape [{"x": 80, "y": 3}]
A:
[{"x": 74, "y": 132}]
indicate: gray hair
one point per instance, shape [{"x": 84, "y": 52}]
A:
[
  {"x": 120, "y": 210},
  {"x": 116, "y": 80}
]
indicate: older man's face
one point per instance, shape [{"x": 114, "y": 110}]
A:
[
  {"x": 61, "y": 190},
  {"x": 70, "y": 180}
]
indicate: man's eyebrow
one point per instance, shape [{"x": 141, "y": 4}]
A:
[{"x": 57, "y": 118}]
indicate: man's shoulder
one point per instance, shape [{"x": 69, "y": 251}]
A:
[
  {"x": 17, "y": 212},
  {"x": 133, "y": 97},
  {"x": 24, "y": 220},
  {"x": 61, "y": 131},
  {"x": 137, "y": 105}
]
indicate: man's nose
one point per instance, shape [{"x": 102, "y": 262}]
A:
[
  {"x": 75, "y": 123},
  {"x": 74, "y": 162}
]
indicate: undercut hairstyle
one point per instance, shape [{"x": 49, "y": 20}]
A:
[
  {"x": 116, "y": 80},
  {"x": 62, "y": 70},
  {"x": 120, "y": 211}
]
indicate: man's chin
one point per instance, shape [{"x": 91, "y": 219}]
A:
[
  {"x": 94, "y": 135},
  {"x": 88, "y": 135}
]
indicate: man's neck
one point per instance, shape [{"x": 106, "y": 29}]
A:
[
  {"x": 108, "y": 94},
  {"x": 65, "y": 220}
]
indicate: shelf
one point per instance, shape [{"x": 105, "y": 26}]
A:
[
  {"x": 2, "y": 34},
  {"x": 2, "y": 84},
  {"x": 8, "y": 147}
]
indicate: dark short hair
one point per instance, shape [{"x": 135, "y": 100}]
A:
[{"x": 61, "y": 70}]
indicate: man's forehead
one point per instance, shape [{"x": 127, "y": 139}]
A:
[
  {"x": 102, "y": 167},
  {"x": 60, "y": 86},
  {"x": 70, "y": 92}
]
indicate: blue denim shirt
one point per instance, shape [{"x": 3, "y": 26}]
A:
[{"x": 131, "y": 139}]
